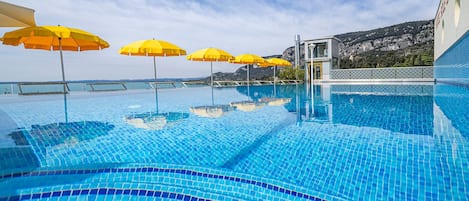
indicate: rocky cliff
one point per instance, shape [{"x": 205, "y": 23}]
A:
[{"x": 390, "y": 38}]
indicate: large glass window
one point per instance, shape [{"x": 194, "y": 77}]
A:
[{"x": 320, "y": 50}]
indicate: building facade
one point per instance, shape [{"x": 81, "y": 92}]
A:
[
  {"x": 321, "y": 56},
  {"x": 451, "y": 50}
]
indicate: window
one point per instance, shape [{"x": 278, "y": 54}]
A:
[{"x": 321, "y": 50}]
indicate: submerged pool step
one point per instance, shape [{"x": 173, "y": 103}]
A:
[
  {"x": 191, "y": 181},
  {"x": 115, "y": 191}
]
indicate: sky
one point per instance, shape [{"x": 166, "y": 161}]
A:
[{"x": 261, "y": 27}]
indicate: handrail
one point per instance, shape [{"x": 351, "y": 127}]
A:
[
  {"x": 254, "y": 82},
  {"x": 187, "y": 83},
  {"x": 93, "y": 89},
  {"x": 126, "y": 85},
  {"x": 21, "y": 84},
  {"x": 416, "y": 72},
  {"x": 152, "y": 84}
]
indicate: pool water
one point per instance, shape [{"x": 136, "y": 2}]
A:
[{"x": 284, "y": 142}]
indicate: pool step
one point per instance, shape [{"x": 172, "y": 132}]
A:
[
  {"x": 115, "y": 191},
  {"x": 188, "y": 181}
]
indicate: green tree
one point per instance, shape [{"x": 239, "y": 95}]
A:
[{"x": 289, "y": 73}]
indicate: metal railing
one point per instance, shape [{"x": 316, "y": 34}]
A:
[
  {"x": 254, "y": 82},
  {"x": 106, "y": 86},
  {"x": 396, "y": 73},
  {"x": 42, "y": 88}
]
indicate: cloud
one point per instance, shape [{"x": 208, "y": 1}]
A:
[{"x": 263, "y": 27}]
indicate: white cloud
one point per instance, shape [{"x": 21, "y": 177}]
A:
[{"x": 243, "y": 26}]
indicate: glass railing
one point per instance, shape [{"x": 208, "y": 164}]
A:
[
  {"x": 37, "y": 88},
  {"x": 33, "y": 88}
]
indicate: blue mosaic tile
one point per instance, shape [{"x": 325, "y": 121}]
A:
[
  {"x": 359, "y": 146},
  {"x": 453, "y": 65}
]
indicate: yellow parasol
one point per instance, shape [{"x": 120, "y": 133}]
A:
[
  {"x": 247, "y": 59},
  {"x": 275, "y": 62},
  {"x": 210, "y": 54},
  {"x": 55, "y": 38},
  {"x": 15, "y": 16},
  {"x": 152, "y": 48}
]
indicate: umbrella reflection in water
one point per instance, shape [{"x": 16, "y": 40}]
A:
[
  {"x": 155, "y": 121},
  {"x": 68, "y": 133},
  {"x": 42, "y": 143},
  {"x": 247, "y": 106},
  {"x": 261, "y": 96},
  {"x": 211, "y": 111},
  {"x": 275, "y": 101}
]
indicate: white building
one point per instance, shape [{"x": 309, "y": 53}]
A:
[
  {"x": 451, "y": 53},
  {"x": 325, "y": 57}
]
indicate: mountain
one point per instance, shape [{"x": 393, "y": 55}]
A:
[
  {"x": 400, "y": 45},
  {"x": 406, "y": 44},
  {"x": 387, "y": 39}
]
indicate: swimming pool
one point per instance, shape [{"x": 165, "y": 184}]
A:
[{"x": 288, "y": 142}]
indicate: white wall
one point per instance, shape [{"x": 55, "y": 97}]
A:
[
  {"x": 326, "y": 70},
  {"x": 455, "y": 25},
  {"x": 335, "y": 48}
]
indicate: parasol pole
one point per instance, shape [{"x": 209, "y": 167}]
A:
[
  {"x": 65, "y": 108},
  {"x": 156, "y": 84},
  {"x": 63, "y": 80},
  {"x": 211, "y": 79},
  {"x": 62, "y": 63},
  {"x": 275, "y": 80},
  {"x": 247, "y": 78}
]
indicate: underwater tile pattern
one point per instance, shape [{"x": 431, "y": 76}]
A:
[
  {"x": 151, "y": 178},
  {"x": 453, "y": 65},
  {"x": 370, "y": 142}
]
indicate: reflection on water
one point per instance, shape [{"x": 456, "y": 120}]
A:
[
  {"x": 57, "y": 134},
  {"x": 155, "y": 121},
  {"x": 453, "y": 101},
  {"x": 275, "y": 101},
  {"x": 381, "y": 106},
  {"x": 32, "y": 145},
  {"x": 353, "y": 139},
  {"x": 261, "y": 96},
  {"x": 247, "y": 106},
  {"x": 394, "y": 113},
  {"x": 213, "y": 111}
]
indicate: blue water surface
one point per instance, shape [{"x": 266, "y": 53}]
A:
[{"x": 283, "y": 142}]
